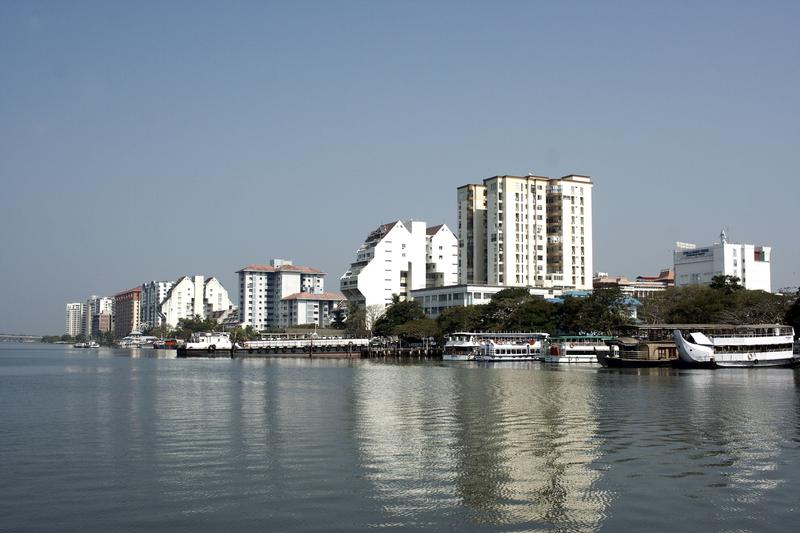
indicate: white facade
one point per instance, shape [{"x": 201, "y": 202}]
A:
[
  {"x": 193, "y": 296},
  {"x": 153, "y": 295},
  {"x": 397, "y": 258},
  {"x": 262, "y": 287},
  {"x": 437, "y": 299},
  {"x": 76, "y": 319},
  {"x": 526, "y": 231},
  {"x": 307, "y": 308},
  {"x": 696, "y": 265}
]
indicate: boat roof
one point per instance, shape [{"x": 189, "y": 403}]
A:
[
  {"x": 582, "y": 337},
  {"x": 501, "y": 334}
]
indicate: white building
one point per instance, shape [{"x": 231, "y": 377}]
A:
[
  {"x": 193, "y": 296},
  {"x": 76, "y": 319},
  {"x": 697, "y": 265},
  {"x": 436, "y": 299},
  {"x": 262, "y": 287},
  {"x": 397, "y": 258},
  {"x": 526, "y": 231},
  {"x": 307, "y": 308},
  {"x": 153, "y": 295},
  {"x": 96, "y": 306}
]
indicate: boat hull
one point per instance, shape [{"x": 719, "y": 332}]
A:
[
  {"x": 621, "y": 362},
  {"x": 697, "y": 355},
  {"x": 457, "y": 357}
]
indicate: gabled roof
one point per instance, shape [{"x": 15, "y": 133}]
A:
[
  {"x": 334, "y": 296},
  {"x": 433, "y": 229},
  {"x": 282, "y": 268}
]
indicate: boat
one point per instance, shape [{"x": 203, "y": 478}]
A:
[
  {"x": 636, "y": 353},
  {"x": 508, "y": 347},
  {"x": 207, "y": 344},
  {"x": 723, "y": 345},
  {"x": 576, "y": 348},
  {"x": 165, "y": 344},
  {"x": 91, "y": 344},
  {"x": 136, "y": 340},
  {"x": 461, "y": 346}
]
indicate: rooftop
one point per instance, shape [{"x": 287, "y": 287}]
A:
[
  {"x": 326, "y": 296},
  {"x": 281, "y": 268}
]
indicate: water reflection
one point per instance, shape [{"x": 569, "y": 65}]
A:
[{"x": 511, "y": 446}]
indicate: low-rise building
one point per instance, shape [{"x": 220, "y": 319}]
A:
[
  {"x": 307, "y": 308},
  {"x": 434, "y": 300},
  {"x": 698, "y": 265},
  {"x": 639, "y": 288}
]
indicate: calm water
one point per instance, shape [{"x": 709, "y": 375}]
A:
[{"x": 102, "y": 441}]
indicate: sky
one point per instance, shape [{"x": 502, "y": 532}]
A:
[{"x": 149, "y": 140}]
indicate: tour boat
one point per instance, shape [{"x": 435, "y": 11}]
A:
[
  {"x": 506, "y": 347},
  {"x": 461, "y": 346},
  {"x": 576, "y": 349},
  {"x": 91, "y": 344},
  {"x": 634, "y": 353},
  {"x": 207, "y": 344},
  {"x": 735, "y": 346}
]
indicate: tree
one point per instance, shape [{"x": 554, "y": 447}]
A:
[
  {"x": 418, "y": 329},
  {"x": 246, "y": 333},
  {"x": 534, "y": 314},
  {"x": 726, "y": 283},
  {"x": 356, "y": 322},
  {"x": 460, "y": 318},
  {"x": 496, "y": 314},
  {"x": 187, "y": 326},
  {"x": 372, "y": 313},
  {"x": 792, "y": 316},
  {"x": 339, "y": 317},
  {"x": 397, "y": 314}
]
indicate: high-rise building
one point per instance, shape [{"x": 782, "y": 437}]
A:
[
  {"x": 526, "y": 231},
  {"x": 126, "y": 311},
  {"x": 193, "y": 296},
  {"x": 75, "y": 322},
  {"x": 262, "y": 287},
  {"x": 153, "y": 295},
  {"x": 397, "y": 258},
  {"x": 697, "y": 265},
  {"x": 96, "y": 306}
]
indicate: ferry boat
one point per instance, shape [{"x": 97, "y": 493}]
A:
[
  {"x": 136, "y": 340},
  {"x": 723, "y": 345},
  {"x": 461, "y": 346},
  {"x": 576, "y": 348},
  {"x": 505, "y": 347},
  {"x": 207, "y": 344},
  {"x": 91, "y": 344}
]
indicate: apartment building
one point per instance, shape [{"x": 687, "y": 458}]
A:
[
  {"x": 153, "y": 295},
  {"x": 526, "y": 231},
  {"x": 94, "y": 308},
  {"x": 397, "y": 258},
  {"x": 193, "y": 296},
  {"x": 262, "y": 287},
  {"x": 307, "y": 308},
  {"x": 75, "y": 321}
]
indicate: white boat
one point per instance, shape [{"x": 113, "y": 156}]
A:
[
  {"x": 461, "y": 346},
  {"x": 735, "y": 346},
  {"x": 136, "y": 340},
  {"x": 207, "y": 344},
  {"x": 576, "y": 348},
  {"x": 91, "y": 344},
  {"x": 506, "y": 347}
]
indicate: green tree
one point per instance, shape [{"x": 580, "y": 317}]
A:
[
  {"x": 533, "y": 314},
  {"x": 397, "y": 314},
  {"x": 187, "y": 326},
  {"x": 792, "y": 316},
  {"x": 339, "y": 318},
  {"x": 496, "y": 315},
  {"x": 460, "y": 318},
  {"x": 726, "y": 283},
  {"x": 418, "y": 329},
  {"x": 356, "y": 322}
]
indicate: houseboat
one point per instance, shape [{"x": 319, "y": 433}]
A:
[
  {"x": 507, "y": 347},
  {"x": 721, "y": 345},
  {"x": 641, "y": 345},
  {"x": 576, "y": 348}
]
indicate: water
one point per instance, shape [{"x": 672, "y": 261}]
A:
[{"x": 102, "y": 441}]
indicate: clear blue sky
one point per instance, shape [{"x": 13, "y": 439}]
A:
[{"x": 146, "y": 140}]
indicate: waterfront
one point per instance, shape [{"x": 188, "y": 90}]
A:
[{"x": 99, "y": 440}]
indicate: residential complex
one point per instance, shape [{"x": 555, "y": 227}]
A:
[
  {"x": 126, "y": 311},
  {"x": 526, "y": 231},
  {"x": 307, "y": 308},
  {"x": 98, "y": 315},
  {"x": 399, "y": 257},
  {"x": 697, "y": 265},
  {"x": 75, "y": 322},
  {"x": 193, "y": 296},
  {"x": 262, "y": 287}
]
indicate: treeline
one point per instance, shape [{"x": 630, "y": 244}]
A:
[{"x": 604, "y": 311}]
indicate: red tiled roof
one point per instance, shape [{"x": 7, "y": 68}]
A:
[
  {"x": 335, "y": 296},
  {"x": 135, "y": 289},
  {"x": 282, "y": 268}
]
